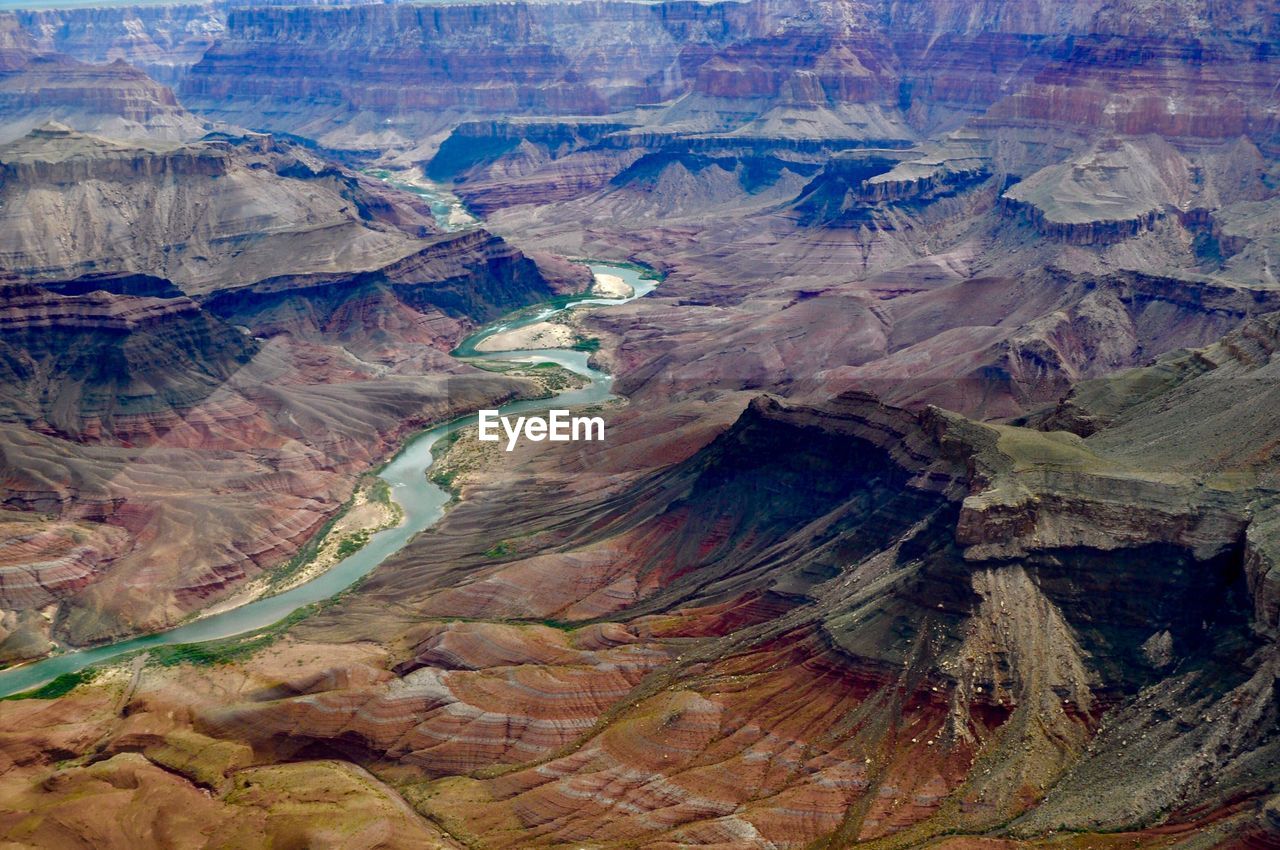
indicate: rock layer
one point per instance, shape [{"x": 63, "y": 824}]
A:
[
  {"x": 221, "y": 212},
  {"x": 855, "y": 667},
  {"x": 225, "y": 414}
]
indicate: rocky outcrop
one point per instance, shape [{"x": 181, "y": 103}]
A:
[
  {"x": 161, "y": 41},
  {"x": 113, "y": 98},
  {"x": 220, "y": 212},
  {"x": 79, "y": 365},
  {"x": 40, "y": 157},
  {"x": 814, "y": 562},
  {"x": 1119, "y": 87},
  {"x": 861, "y": 188},
  {"x": 1122, "y": 189},
  {"x": 39, "y": 84},
  {"x": 591, "y": 58},
  {"x": 474, "y": 143},
  {"x": 1262, "y": 570},
  {"x": 470, "y": 276}
]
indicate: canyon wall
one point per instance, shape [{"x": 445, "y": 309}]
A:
[
  {"x": 940, "y": 508},
  {"x": 298, "y": 335}
]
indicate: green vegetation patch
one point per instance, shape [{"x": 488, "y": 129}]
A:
[
  {"x": 380, "y": 491},
  {"x": 228, "y": 650},
  {"x": 437, "y": 473},
  {"x": 352, "y": 544},
  {"x": 61, "y": 686},
  {"x": 501, "y": 550}
]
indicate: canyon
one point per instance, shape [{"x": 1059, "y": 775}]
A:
[
  {"x": 937, "y": 506},
  {"x": 222, "y": 391}
]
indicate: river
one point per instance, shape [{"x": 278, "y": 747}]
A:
[{"x": 422, "y": 501}]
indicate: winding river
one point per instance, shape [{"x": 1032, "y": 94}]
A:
[{"x": 422, "y": 501}]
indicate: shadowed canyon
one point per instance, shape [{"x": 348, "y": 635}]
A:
[{"x": 936, "y": 344}]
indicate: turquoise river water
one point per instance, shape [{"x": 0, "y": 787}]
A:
[{"x": 422, "y": 501}]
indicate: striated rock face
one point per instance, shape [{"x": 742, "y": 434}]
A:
[
  {"x": 38, "y": 84},
  {"x": 887, "y": 620},
  {"x": 474, "y": 695},
  {"x": 44, "y": 560},
  {"x": 111, "y": 98},
  {"x": 16, "y": 45},
  {"x": 471, "y": 276},
  {"x": 1054, "y": 111},
  {"x": 76, "y": 365},
  {"x": 161, "y": 40},
  {"x": 421, "y": 65},
  {"x": 1121, "y": 87},
  {"x": 195, "y": 430},
  {"x": 221, "y": 212},
  {"x": 857, "y": 188}
]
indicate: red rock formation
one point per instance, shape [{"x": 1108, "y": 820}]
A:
[
  {"x": 117, "y": 386},
  {"x": 895, "y": 684},
  {"x": 36, "y": 87},
  {"x": 839, "y": 617},
  {"x": 592, "y": 58}
]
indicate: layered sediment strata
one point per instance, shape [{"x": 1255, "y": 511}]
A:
[
  {"x": 225, "y": 415},
  {"x": 111, "y": 98},
  {"x": 920, "y": 663},
  {"x": 81, "y": 365},
  {"x": 44, "y": 560},
  {"x": 857, "y": 188},
  {"x": 38, "y": 85},
  {"x": 223, "y": 211},
  {"x": 471, "y": 276},
  {"x": 473, "y": 696},
  {"x": 584, "y": 58},
  {"x": 1122, "y": 87},
  {"x": 161, "y": 40}
]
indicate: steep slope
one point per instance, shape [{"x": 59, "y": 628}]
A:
[
  {"x": 38, "y": 85},
  {"x": 794, "y": 600},
  {"x": 952, "y": 628},
  {"x": 223, "y": 211},
  {"x": 408, "y": 71},
  {"x": 162, "y": 40},
  {"x": 83, "y": 364},
  {"x": 197, "y": 430}
]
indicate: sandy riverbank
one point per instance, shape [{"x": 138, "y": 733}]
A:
[
  {"x": 539, "y": 335},
  {"x": 365, "y": 516},
  {"x": 611, "y": 286}
]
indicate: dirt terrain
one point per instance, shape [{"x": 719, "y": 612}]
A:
[{"x": 938, "y": 508}]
